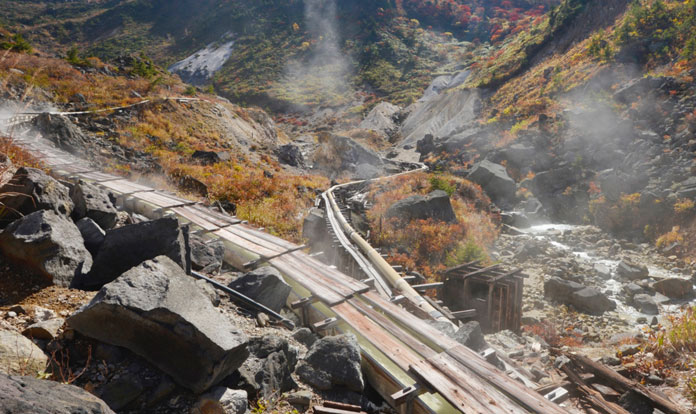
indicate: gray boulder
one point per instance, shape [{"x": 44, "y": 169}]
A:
[
  {"x": 120, "y": 392},
  {"x": 206, "y": 257},
  {"x": 28, "y": 395},
  {"x": 632, "y": 290},
  {"x": 210, "y": 157},
  {"x": 269, "y": 367},
  {"x": 333, "y": 361},
  {"x": 631, "y": 271},
  {"x": 602, "y": 270},
  {"x": 494, "y": 179},
  {"x": 435, "y": 205},
  {"x": 65, "y": 134},
  {"x": 48, "y": 243},
  {"x": 92, "y": 234},
  {"x": 46, "y": 330},
  {"x": 560, "y": 290},
  {"x": 305, "y": 336},
  {"x": 93, "y": 202},
  {"x": 32, "y": 190},
  {"x": 645, "y": 304},
  {"x": 222, "y": 400},
  {"x": 675, "y": 288},
  {"x": 158, "y": 312},
  {"x": 19, "y": 355},
  {"x": 382, "y": 119},
  {"x": 128, "y": 246},
  {"x": 264, "y": 285},
  {"x": 290, "y": 154},
  {"x": 314, "y": 227},
  {"x": 470, "y": 335},
  {"x": 592, "y": 301}
]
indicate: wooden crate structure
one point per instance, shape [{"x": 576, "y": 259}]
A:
[{"x": 495, "y": 294}]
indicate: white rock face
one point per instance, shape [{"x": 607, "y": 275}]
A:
[{"x": 202, "y": 65}]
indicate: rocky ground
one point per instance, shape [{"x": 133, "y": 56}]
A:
[{"x": 100, "y": 299}]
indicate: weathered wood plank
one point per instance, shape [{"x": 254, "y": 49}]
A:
[
  {"x": 125, "y": 187},
  {"x": 98, "y": 176},
  {"x": 309, "y": 282}
]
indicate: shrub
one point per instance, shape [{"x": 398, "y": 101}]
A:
[{"x": 17, "y": 44}]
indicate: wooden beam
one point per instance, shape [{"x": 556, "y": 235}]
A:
[
  {"x": 464, "y": 314},
  {"x": 427, "y": 286}
]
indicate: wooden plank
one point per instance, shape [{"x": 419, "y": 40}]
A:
[
  {"x": 477, "y": 272},
  {"x": 401, "y": 354},
  {"x": 316, "y": 274},
  {"x": 318, "y": 409},
  {"x": 194, "y": 218},
  {"x": 308, "y": 281},
  {"x": 342, "y": 406},
  {"x": 592, "y": 396},
  {"x": 125, "y": 187},
  {"x": 245, "y": 244},
  {"x": 162, "y": 200},
  {"x": 427, "y": 286},
  {"x": 213, "y": 216},
  {"x": 624, "y": 384},
  {"x": 333, "y": 274},
  {"x": 98, "y": 176},
  {"x": 525, "y": 396},
  {"x": 464, "y": 314}
]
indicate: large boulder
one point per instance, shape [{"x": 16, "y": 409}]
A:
[
  {"x": 48, "y": 243},
  {"x": 591, "y": 300},
  {"x": 265, "y": 285},
  {"x": 470, "y": 335},
  {"x": 290, "y": 154},
  {"x": 333, "y": 361},
  {"x": 31, "y": 190},
  {"x": 92, "y": 234},
  {"x": 158, "y": 312},
  {"x": 631, "y": 271},
  {"x": 560, "y": 290},
  {"x": 95, "y": 203},
  {"x": 65, "y": 134},
  {"x": 494, "y": 179},
  {"x": 222, "y": 400},
  {"x": 128, "y": 246},
  {"x": 210, "y": 157},
  {"x": 19, "y": 355},
  {"x": 269, "y": 368},
  {"x": 645, "y": 304},
  {"x": 382, "y": 118},
  {"x": 435, "y": 205},
  {"x": 28, "y": 395},
  {"x": 675, "y": 288}
]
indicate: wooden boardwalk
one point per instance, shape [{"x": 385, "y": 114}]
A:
[{"x": 408, "y": 361}]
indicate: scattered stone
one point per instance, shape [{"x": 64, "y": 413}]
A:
[
  {"x": 631, "y": 271},
  {"x": 305, "y": 336},
  {"x": 495, "y": 181},
  {"x": 43, "y": 314},
  {"x": 591, "y": 300},
  {"x": 611, "y": 361},
  {"x": 31, "y": 395},
  {"x": 265, "y": 285},
  {"x": 269, "y": 367},
  {"x": 92, "y": 234},
  {"x": 303, "y": 398},
  {"x": 435, "y": 205},
  {"x": 560, "y": 290},
  {"x": 674, "y": 288},
  {"x": 210, "y": 157},
  {"x": 470, "y": 335},
  {"x": 632, "y": 290},
  {"x": 333, "y": 361},
  {"x": 19, "y": 355},
  {"x": 31, "y": 190},
  {"x": 156, "y": 306},
  {"x": 645, "y": 304},
  {"x": 122, "y": 391},
  {"x": 209, "y": 291},
  {"x": 222, "y": 400},
  {"x": 48, "y": 243},
  {"x": 206, "y": 257},
  {"x": 128, "y": 246},
  {"x": 47, "y": 330},
  {"x": 93, "y": 202},
  {"x": 603, "y": 271}
]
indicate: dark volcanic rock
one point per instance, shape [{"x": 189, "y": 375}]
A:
[
  {"x": 631, "y": 271},
  {"x": 48, "y": 243},
  {"x": 645, "y": 304},
  {"x": 675, "y": 288},
  {"x": 333, "y": 361},
  {"x": 158, "y": 312},
  {"x": 560, "y": 290},
  {"x": 495, "y": 181},
  {"x": 131, "y": 245},
  {"x": 27, "y": 395},
  {"x": 210, "y": 157},
  {"x": 435, "y": 205},
  {"x": 264, "y": 285},
  {"x": 290, "y": 154},
  {"x": 93, "y": 202},
  {"x": 62, "y": 132},
  {"x": 592, "y": 301},
  {"x": 31, "y": 190},
  {"x": 470, "y": 335},
  {"x": 270, "y": 366},
  {"x": 92, "y": 234},
  {"x": 206, "y": 257}
]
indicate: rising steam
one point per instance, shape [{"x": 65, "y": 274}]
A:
[{"x": 321, "y": 75}]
